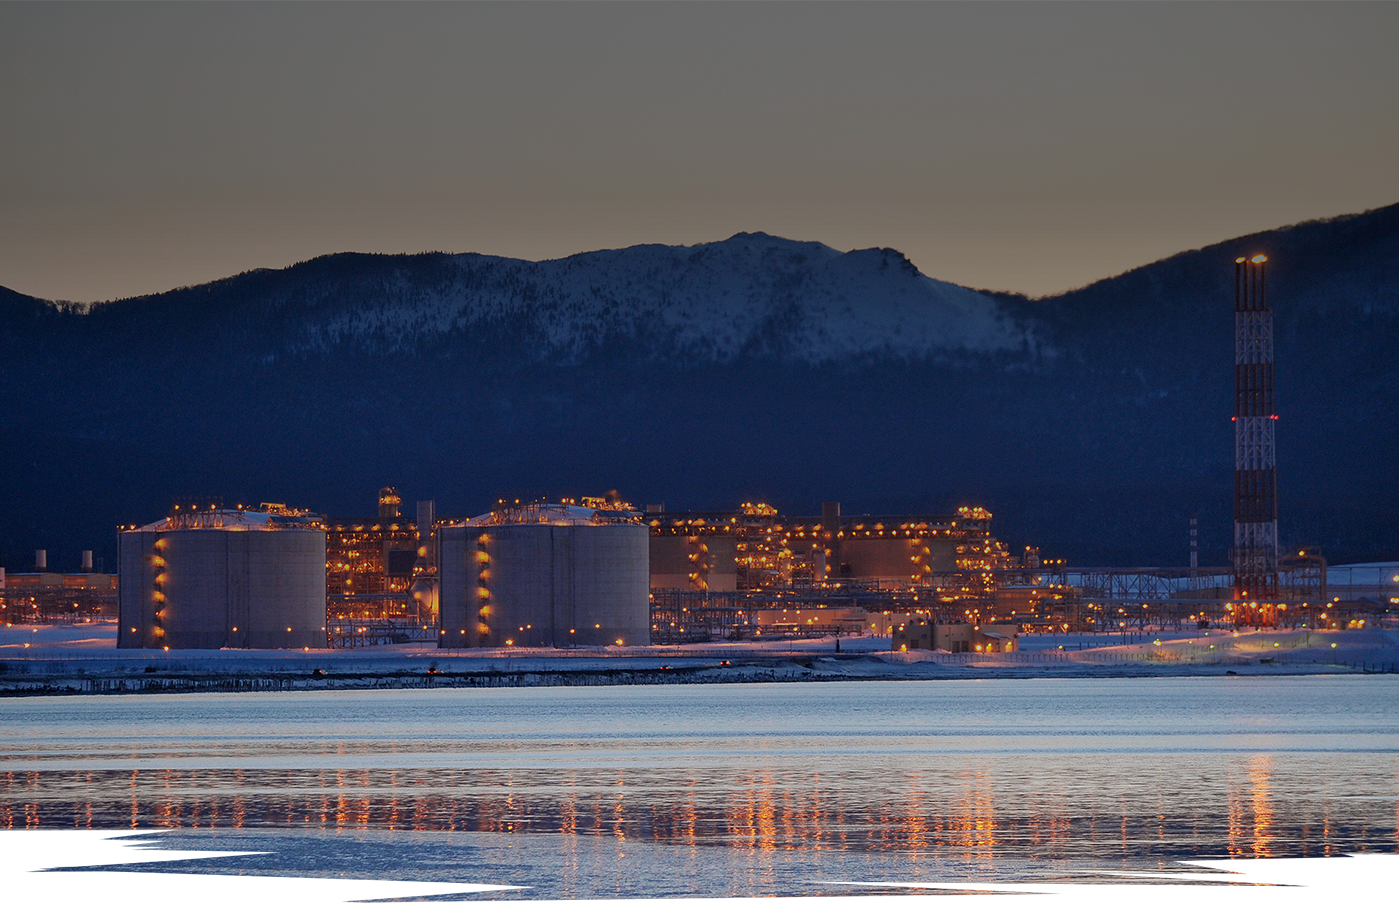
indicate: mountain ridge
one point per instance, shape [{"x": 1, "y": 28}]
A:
[{"x": 716, "y": 300}]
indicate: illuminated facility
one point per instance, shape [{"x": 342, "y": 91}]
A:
[
  {"x": 585, "y": 573},
  {"x": 754, "y": 547},
  {"x": 381, "y": 576},
  {"x": 753, "y": 572}
]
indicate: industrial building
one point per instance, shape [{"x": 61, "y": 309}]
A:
[
  {"x": 545, "y": 575},
  {"x": 224, "y": 578},
  {"x": 922, "y": 633},
  {"x": 762, "y": 549},
  {"x": 45, "y": 596},
  {"x": 827, "y": 569}
]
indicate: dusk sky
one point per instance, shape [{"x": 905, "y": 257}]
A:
[{"x": 1024, "y": 147}]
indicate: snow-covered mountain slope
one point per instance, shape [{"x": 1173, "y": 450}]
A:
[{"x": 752, "y": 294}]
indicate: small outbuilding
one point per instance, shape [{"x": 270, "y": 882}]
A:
[{"x": 920, "y": 633}]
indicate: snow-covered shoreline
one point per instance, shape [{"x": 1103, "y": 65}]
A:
[{"x": 82, "y": 660}]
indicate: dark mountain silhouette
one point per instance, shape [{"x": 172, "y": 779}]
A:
[{"x": 1092, "y": 423}]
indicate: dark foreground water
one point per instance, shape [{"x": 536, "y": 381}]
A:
[{"x": 724, "y": 790}]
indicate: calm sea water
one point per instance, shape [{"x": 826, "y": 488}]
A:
[{"x": 724, "y": 790}]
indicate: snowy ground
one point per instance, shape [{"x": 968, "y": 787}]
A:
[
  {"x": 100, "y": 634},
  {"x": 60, "y": 658}
]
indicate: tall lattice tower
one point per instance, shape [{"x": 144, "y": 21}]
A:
[{"x": 1255, "y": 463}]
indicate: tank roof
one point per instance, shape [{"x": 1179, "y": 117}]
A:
[
  {"x": 550, "y": 513},
  {"x": 231, "y": 520}
]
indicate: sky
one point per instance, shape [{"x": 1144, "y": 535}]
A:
[{"x": 1027, "y": 147}]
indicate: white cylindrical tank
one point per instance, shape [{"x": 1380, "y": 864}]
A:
[
  {"x": 545, "y": 576},
  {"x": 226, "y": 580}
]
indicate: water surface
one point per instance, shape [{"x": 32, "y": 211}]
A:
[{"x": 727, "y": 789}]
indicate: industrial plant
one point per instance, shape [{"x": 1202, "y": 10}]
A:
[
  {"x": 598, "y": 572},
  {"x": 589, "y": 572},
  {"x": 602, "y": 573}
]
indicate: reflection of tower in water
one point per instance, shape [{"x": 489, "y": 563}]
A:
[
  {"x": 1251, "y": 829},
  {"x": 975, "y": 818},
  {"x": 1260, "y": 772}
]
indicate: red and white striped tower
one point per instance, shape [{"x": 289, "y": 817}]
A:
[{"x": 1255, "y": 464}]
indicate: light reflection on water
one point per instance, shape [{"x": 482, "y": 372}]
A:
[{"x": 748, "y": 786}]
